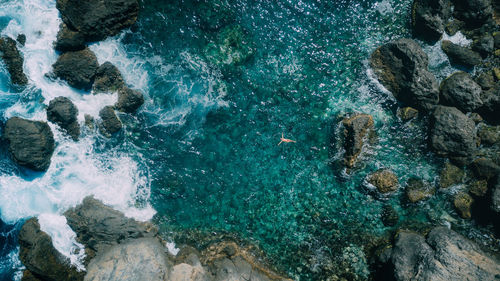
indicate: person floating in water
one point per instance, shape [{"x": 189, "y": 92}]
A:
[{"x": 284, "y": 140}]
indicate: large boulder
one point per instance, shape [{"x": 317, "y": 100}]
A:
[
  {"x": 401, "y": 66},
  {"x": 429, "y": 18},
  {"x": 41, "y": 258},
  {"x": 459, "y": 55},
  {"x": 450, "y": 175},
  {"x": 31, "y": 143},
  {"x": 138, "y": 259},
  {"x": 77, "y": 68},
  {"x": 68, "y": 40},
  {"x": 473, "y": 12},
  {"x": 110, "y": 123},
  {"x": 63, "y": 112},
  {"x": 452, "y": 134},
  {"x": 108, "y": 78},
  {"x": 356, "y": 128},
  {"x": 129, "y": 100},
  {"x": 13, "y": 60},
  {"x": 98, "y": 19},
  {"x": 443, "y": 255},
  {"x": 460, "y": 91}
]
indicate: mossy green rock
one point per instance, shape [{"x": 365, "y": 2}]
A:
[
  {"x": 231, "y": 47},
  {"x": 463, "y": 203},
  {"x": 450, "y": 175}
]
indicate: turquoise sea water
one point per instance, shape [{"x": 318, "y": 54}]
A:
[{"x": 203, "y": 150}]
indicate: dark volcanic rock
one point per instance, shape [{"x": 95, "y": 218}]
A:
[
  {"x": 108, "y": 78},
  {"x": 69, "y": 40},
  {"x": 13, "y": 60},
  {"x": 21, "y": 38},
  {"x": 110, "y": 122},
  {"x": 41, "y": 258},
  {"x": 63, "y": 112},
  {"x": 77, "y": 68},
  {"x": 484, "y": 45},
  {"x": 355, "y": 130},
  {"x": 98, "y": 226},
  {"x": 473, "y": 12},
  {"x": 444, "y": 255},
  {"x": 31, "y": 143},
  {"x": 452, "y": 134},
  {"x": 98, "y": 19},
  {"x": 129, "y": 100},
  {"x": 401, "y": 66},
  {"x": 429, "y": 18},
  {"x": 460, "y": 91},
  {"x": 459, "y": 55}
]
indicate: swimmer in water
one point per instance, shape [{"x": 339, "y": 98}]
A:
[{"x": 284, "y": 140}]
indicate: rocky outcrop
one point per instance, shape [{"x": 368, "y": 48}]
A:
[
  {"x": 459, "y": 55},
  {"x": 110, "y": 124},
  {"x": 68, "y": 40},
  {"x": 356, "y": 128},
  {"x": 418, "y": 190},
  {"x": 450, "y": 175},
  {"x": 63, "y": 112},
  {"x": 40, "y": 257},
  {"x": 443, "y": 255},
  {"x": 383, "y": 180},
  {"x": 129, "y": 100},
  {"x": 401, "y": 66},
  {"x": 77, "y": 68},
  {"x": 108, "y": 78},
  {"x": 429, "y": 18},
  {"x": 473, "y": 12},
  {"x": 452, "y": 134},
  {"x": 31, "y": 143},
  {"x": 484, "y": 45},
  {"x": 13, "y": 60},
  {"x": 97, "y": 19},
  {"x": 460, "y": 91}
]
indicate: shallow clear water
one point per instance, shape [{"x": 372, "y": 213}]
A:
[{"x": 203, "y": 150}]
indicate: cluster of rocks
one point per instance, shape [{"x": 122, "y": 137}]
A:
[{"x": 120, "y": 248}]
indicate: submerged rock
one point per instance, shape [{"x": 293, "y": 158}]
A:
[
  {"x": 443, "y": 255},
  {"x": 389, "y": 215},
  {"x": 429, "y": 18},
  {"x": 452, "y": 134},
  {"x": 407, "y": 113},
  {"x": 77, "y": 68},
  {"x": 384, "y": 180},
  {"x": 63, "y": 112},
  {"x": 463, "y": 202},
  {"x": 68, "y": 40},
  {"x": 110, "y": 123},
  {"x": 108, "y": 78},
  {"x": 418, "y": 190},
  {"x": 13, "y": 60},
  {"x": 214, "y": 14},
  {"x": 356, "y": 128},
  {"x": 41, "y": 258},
  {"x": 232, "y": 46},
  {"x": 129, "y": 100},
  {"x": 401, "y": 66},
  {"x": 97, "y": 19},
  {"x": 460, "y": 91},
  {"x": 459, "y": 55},
  {"x": 31, "y": 143},
  {"x": 450, "y": 175}
]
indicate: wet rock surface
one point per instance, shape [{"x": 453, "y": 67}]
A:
[
  {"x": 401, "y": 66},
  {"x": 63, "y": 112},
  {"x": 460, "y": 91},
  {"x": 108, "y": 78},
  {"x": 31, "y": 143},
  {"x": 110, "y": 123},
  {"x": 77, "y": 68},
  {"x": 418, "y": 190},
  {"x": 463, "y": 203},
  {"x": 129, "y": 100},
  {"x": 13, "y": 60},
  {"x": 450, "y": 175},
  {"x": 68, "y": 40},
  {"x": 384, "y": 180},
  {"x": 356, "y": 129},
  {"x": 459, "y": 55},
  {"x": 429, "y": 18}
]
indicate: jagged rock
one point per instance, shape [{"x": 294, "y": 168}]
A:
[
  {"x": 444, "y": 255},
  {"x": 452, "y": 134},
  {"x": 69, "y": 40},
  {"x": 453, "y": 26},
  {"x": 401, "y": 66},
  {"x": 478, "y": 188},
  {"x": 389, "y": 215},
  {"x": 384, "y": 180},
  {"x": 97, "y": 19},
  {"x": 418, "y": 190},
  {"x": 473, "y": 12},
  {"x": 31, "y": 143},
  {"x": 459, "y": 55},
  {"x": 129, "y": 100},
  {"x": 99, "y": 227},
  {"x": 489, "y": 135},
  {"x": 484, "y": 168},
  {"x": 484, "y": 45},
  {"x": 13, "y": 60},
  {"x": 63, "y": 112},
  {"x": 463, "y": 202},
  {"x": 110, "y": 123},
  {"x": 77, "y": 68},
  {"x": 138, "y": 259},
  {"x": 108, "y": 78},
  {"x": 21, "y": 38},
  {"x": 407, "y": 113},
  {"x": 232, "y": 46},
  {"x": 450, "y": 175},
  {"x": 429, "y": 18},
  {"x": 356, "y": 129},
  {"x": 41, "y": 258},
  {"x": 460, "y": 91}
]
